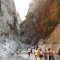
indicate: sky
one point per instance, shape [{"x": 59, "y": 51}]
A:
[{"x": 22, "y": 7}]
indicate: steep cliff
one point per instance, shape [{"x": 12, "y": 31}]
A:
[
  {"x": 7, "y": 15},
  {"x": 8, "y": 30},
  {"x": 41, "y": 19}
]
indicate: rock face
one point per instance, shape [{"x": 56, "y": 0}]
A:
[
  {"x": 41, "y": 20},
  {"x": 7, "y": 13},
  {"x": 55, "y": 36},
  {"x": 8, "y": 39},
  {"x": 54, "y": 39}
]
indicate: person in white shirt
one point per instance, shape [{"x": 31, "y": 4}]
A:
[{"x": 29, "y": 51}]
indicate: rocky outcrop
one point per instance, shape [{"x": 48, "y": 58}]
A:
[{"x": 55, "y": 36}]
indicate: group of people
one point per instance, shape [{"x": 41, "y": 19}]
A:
[
  {"x": 46, "y": 55},
  {"x": 39, "y": 53}
]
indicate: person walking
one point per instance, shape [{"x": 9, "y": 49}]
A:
[
  {"x": 45, "y": 55},
  {"x": 37, "y": 46},
  {"x": 36, "y": 54},
  {"x": 19, "y": 52},
  {"x": 29, "y": 51},
  {"x": 50, "y": 54},
  {"x": 40, "y": 54}
]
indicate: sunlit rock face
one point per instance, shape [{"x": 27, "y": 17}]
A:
[{"x": 54, "y": 39}]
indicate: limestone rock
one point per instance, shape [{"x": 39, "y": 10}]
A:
[
  {"x": 8, "y": 40},
  {"x": 6, "y": 15}
]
